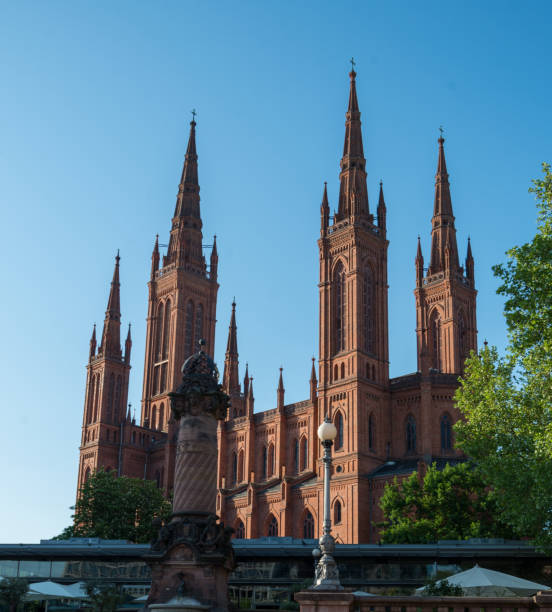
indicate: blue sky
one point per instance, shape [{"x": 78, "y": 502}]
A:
[{"x": 94, "y": 109}]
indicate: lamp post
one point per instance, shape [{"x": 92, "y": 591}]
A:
[{"x": 326, "y": 574}]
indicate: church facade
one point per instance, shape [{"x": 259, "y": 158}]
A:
[{"x": 270, "y": 473}]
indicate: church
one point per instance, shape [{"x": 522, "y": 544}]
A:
[{"x": 270, "y": 474}]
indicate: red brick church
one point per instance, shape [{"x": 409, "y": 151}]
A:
[{"x": 270, "y": 473}]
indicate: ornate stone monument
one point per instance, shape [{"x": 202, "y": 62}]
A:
[{"x": 192, "y": 556}]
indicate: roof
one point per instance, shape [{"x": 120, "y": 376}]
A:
[{"x": 407, "y": 466}]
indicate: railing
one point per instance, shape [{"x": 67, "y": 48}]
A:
[{"x": 340, "y": 601}]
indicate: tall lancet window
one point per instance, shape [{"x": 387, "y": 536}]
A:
[
  {"x": 435, "y": 328},
  {"x": 166, "y": 329},
  {"x": 199, "y": 323},
  {"x": 159, "y": 333},
  {"x": 368, "y": 305},
  {"x": 462, "y": 338},
  {"x": 340, "y": 305},
  {"x": 189, "y": 331}
]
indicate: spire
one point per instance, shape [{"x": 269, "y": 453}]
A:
[
  {"x": 281, "y": 390},
  {"x": 313, "y": 381},
  {"x": 443, "y": 230},
  {"x": 324, "y": 210},
  {"x": 155, "y": 257},
  {"x": 213, "y": 269},
  {"x": 246, "y": 380},
  {"x": 92, "y": 343},
  {"x": 469, "y": 262},
  {"x": 231, "y": 376},
  {"x": 419, "y": 262},
  {"x": 128, "y": 346},
  {"x": 353, "y": 190},
  {"x": 187, "y": 201},
  {"x": 111, "y": 336},
  {"x": 382, "y": 211}
]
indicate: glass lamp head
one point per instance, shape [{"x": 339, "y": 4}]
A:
[{"x": 327, "y": 431}]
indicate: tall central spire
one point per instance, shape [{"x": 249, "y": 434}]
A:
[
  {"x": 111, "y": 336},
  {"x": 353, "y": 194},
  {"x": 443, "y": 233},
  {"x": 187, "y": 200}
]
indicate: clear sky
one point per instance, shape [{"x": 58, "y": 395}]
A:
[{"x": 95, "y": 103}]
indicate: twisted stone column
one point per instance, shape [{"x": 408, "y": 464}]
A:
[{"x": 192, "y": 555}]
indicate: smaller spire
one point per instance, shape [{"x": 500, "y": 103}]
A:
[
  {"x": 155, "y": 257},
  {"x": 281, "y": 390},
  {"x": 93, "y": 343},
  {"x": 250, "y": 395},
  {"x": 246, "y": 380},
  {"x": 230, "y": 377},
  {"x": 324, "y": 210},
  {"x": 111, "y": 339},
  {"x": 128, "y": 345},
  {"x": 382, "y": 211},
  {"x": 213, "y": 269},
  {"x": 469, "y": 262},
  {"x": 419, "y": 262},
  {"x": 128, "y": 417},
  {"x": 313, "y": 381}
]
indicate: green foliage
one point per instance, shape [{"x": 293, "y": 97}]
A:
[
  {"x": 507, "y": 401},
  {"x": 117, "y": 508},
  {"x": 451, "y": 504},
  {"x": 104, "y": 597},
  {"x": 12, "y": 591},
  {"x": 442, "y": 588}
]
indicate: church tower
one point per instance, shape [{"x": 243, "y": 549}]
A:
[
  {"x": 445, "y": 293},
  {"x": 181, "y": 306},
  {"x": 106, "y": 390},
  {"x": 354, "y": 363}
]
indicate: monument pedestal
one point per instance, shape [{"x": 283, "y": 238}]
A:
[{"x": 192, "y": 557}]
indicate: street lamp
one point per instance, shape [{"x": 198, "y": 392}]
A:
[{"x": 326, "y": 574}]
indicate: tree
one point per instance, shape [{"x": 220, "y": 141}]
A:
[
  {"x": 117, "y": 508},
  {"x": 442, "y": 588},
  {"x": 12, "y": 591},
  {"x": 448, "y": 504},
  {"x": 506, "y": 400},
  {"x": 104, "y": 596}
]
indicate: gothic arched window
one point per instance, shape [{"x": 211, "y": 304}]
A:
[
  {"x": 339, "y": 426},
  {"x": 337, "y": 512},
  {"x": 410, "y": 434},
  {"x": 371, "y": 432},
  {"x": 189, "y": 329},
  {"x": 110, "y": 394},
  {"x": 462, "y": 338},
  {"x": 240, "y": 466},
  {"x": 96, "y": 397},
  {"x": 446, "y": 432},
  {"x": 159, "y": 333},
  {"x": 303, "y": 453},
  {"x": 161, "y": 417},
  {"x": 308, "y": 526},
  {"x": 234, "y": 468},
  {"x": 240, "y": 530},
  {"x": 368, "y": 305},
  {"x": 343, "y": 370},
  {"x": 272, "y": 526},
  {"x": 199, "y": 323},
  {"x": 270, "y": 460},
  {"x": 296, "y": 455},
  {"x": 264, "y": 462},
  {"x": 435, "y": 327},
  {"x": 118, "y": 395},
  {"x": 340, "y": 306},
  {"x": 166, "y": 329}
]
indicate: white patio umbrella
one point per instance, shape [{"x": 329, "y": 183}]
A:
[{"x": 481, "y": 582}]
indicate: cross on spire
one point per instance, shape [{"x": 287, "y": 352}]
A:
[
  {"x": 194, "y": 113},
  {"x": 441, "y": 130},
  {"x": 353, "y": 64}
]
